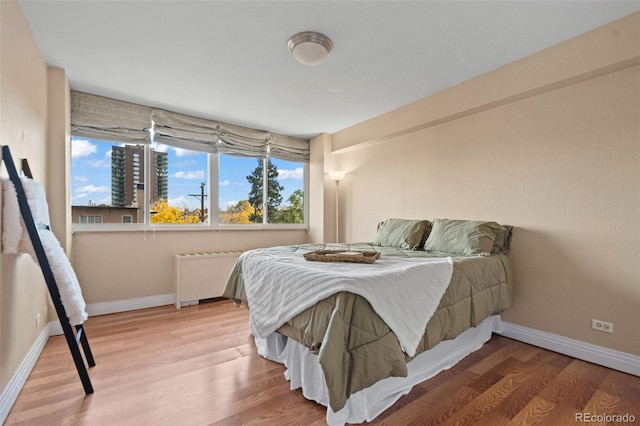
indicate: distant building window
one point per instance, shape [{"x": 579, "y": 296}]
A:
[
  {"x": 127, "y": 171},
  {"x": 127, "y": 219},
  {"x": 90, "y": 218}
]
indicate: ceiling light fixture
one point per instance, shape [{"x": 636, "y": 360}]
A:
[{"x": 310, "y": 47}]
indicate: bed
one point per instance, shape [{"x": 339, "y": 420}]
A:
[{"x": 340, "y": 350}]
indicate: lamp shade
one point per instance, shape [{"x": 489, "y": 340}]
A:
[
  {"x": 337, "y": 175},
  {"x": 310, "y": 47}
]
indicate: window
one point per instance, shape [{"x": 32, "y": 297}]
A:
[
  {"x": 110, "y": 178},
  {"x": 101, "y": 179},
  {"x": 181, "y": 195},
  {"x": 242, "y": 182},
  {"x": 291, "y": 177},
  {"x": 163, "y": 168},
  {"x": 88, "y": 218}
]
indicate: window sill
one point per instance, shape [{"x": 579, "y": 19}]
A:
[{"x": 79, "y": 228}]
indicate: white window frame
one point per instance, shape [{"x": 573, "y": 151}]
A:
[{"x": 212, "y": 206}]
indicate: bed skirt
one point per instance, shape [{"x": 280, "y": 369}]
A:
[{"x": 304, "y": 371}]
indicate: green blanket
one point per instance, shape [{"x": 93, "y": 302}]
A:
[{"x": 356, "y": 348}]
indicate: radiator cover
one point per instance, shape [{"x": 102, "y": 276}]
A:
[{"x": 202, "y": 275}]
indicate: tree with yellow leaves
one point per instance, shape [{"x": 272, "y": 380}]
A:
[
  {"x": 166, "y": 213},
  {"x": 240, "y": 213}
]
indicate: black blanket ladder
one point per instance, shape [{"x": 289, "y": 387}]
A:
[{"x": 74, "y": 340}]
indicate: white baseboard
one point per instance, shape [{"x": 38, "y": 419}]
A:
[
  {"x": 13, "y": 388},
  {"x": 104, "y": 308},
  {"x": 610, "y": 358}
]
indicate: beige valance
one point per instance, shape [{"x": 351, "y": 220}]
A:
[
  {"x": 97, "y": 117},
  {"x": 200, "y": 134}
]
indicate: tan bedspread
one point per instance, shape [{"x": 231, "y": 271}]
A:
[{"x": 356, "y": 348}]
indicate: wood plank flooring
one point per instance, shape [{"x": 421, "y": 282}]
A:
[{"x": 198, "y": 366}]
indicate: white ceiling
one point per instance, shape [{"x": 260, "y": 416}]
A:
[{"x": 228, "y": 60}]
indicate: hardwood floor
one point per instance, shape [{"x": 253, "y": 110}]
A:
[{"x": 198, "y": 366}]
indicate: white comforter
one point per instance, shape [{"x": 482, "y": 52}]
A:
[{"x": 404, "y": 292}]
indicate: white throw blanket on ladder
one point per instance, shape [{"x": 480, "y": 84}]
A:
[
  {"x": 405, "y": 292},
  {"x": 15, "y": 240}
]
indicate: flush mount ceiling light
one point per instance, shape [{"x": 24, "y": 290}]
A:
[{"x": 310, "y": 47}]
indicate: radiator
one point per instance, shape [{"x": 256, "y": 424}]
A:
[{"x": 202, "y": 275}]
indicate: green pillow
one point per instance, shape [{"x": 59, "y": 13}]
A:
[
  {"x": 503, "y": 237},
  {"x": 461, "y": 237},
  {"x": 402, "y": 233}
]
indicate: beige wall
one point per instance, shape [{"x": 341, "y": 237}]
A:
[
  {"x": 322, "y": 227},
  {"x": 124, "y": 265},
  {"x": 558, "y": 159},
  {"x": 23, "y": 126},
  {"x": 58, "y": 178}
]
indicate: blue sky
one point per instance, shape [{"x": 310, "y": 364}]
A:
[{"x": 91, "y": 175}]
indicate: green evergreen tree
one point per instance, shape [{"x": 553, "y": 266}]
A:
[
  {"x": 274, "y": 198},
  {"x": 294, "y": 211}
]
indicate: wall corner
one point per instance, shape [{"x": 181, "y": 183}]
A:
[{"x": 59, "y": 155}]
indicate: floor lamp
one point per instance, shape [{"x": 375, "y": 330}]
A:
[{"x": 337, "y": 176}]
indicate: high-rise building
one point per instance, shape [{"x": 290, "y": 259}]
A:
[{"x": 127, "y": 171}]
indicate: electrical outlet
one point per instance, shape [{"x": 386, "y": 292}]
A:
[
  {"x": 602, "y": 325},
  {"x": 37, "y": 320}
]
